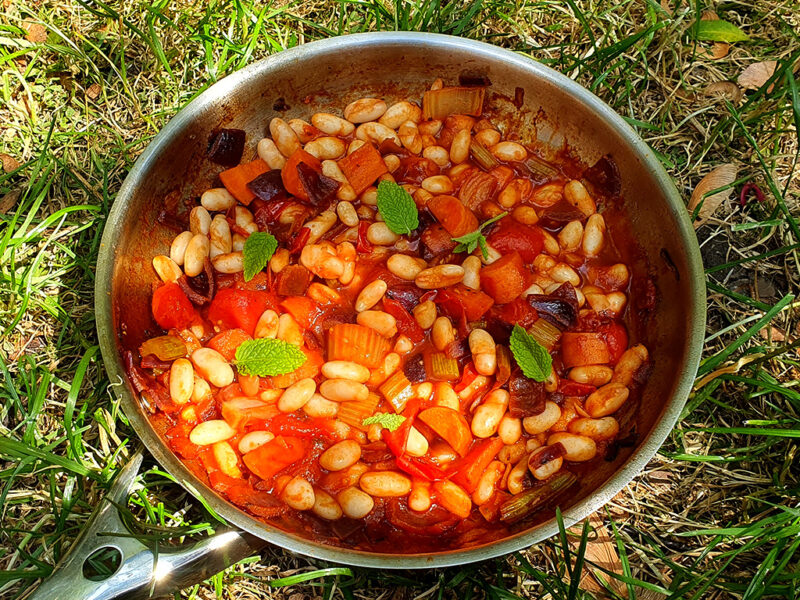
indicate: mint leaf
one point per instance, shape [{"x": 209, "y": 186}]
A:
[
  {"x": 469, "y": 241},
  {"x": 718, "y": 31},
  {"x": 534, "y": 360},
  {"x": 397, "y": 208},
  {"x": 258, "y": 249},
  {"x": 267, "y": 356},
  {"x": 388, "y": 421}
]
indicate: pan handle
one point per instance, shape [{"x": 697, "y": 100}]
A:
[{"x": 142, "y": 573}]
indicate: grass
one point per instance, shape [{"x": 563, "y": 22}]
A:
[{"x": 85, "y": 85}]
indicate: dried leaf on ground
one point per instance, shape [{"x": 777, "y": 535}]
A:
[
  {"x": 725, "y": 89},
  {"x": 757, "y": 74},
  {"x": 718, "y": 50},
  {"x": 721, "y": 177},
  {"x": 93, "y": 91},
  {"x": 35, "y": 32},
  {"x": 601, "y": 551},
  {"x": 9, "y": 163},
  {"x": 772, "y": 333},
  {"x": 9, "y": 201}
]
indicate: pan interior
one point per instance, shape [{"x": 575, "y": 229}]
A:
[{"x": 326, "y": 76}]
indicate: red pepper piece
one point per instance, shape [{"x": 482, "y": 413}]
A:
[
  {"x": 573, "y": 388},
  {"x": 421, "y": 467},
  {"x": 397, "y": 439},
  {"x": 364, "y": 246},
  {"x": 240, "y": 309},
  {"x": 172, "y": 309},
  {"x": 406, "y": 324},
  {"x": 300, "y": 240},
  {"x": 468, "y": 376}
]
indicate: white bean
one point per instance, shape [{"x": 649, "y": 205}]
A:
[
  {"x": 232, "y": 262},
  {"x": 344, "y": 369},
  {"x": 211, "y": 432},
  {"x": 544, "y": 420},
  {"x": 181, "y": 381},
  {"x": 299, "y": 494},
  {"x": 355, "y": 503},
  {"x": 332, "y": 125},
  {"x": 380, "y": 234},
  {"x": 296, "y": 395},
  {"x": 326, "y": 148},
  {"x": 254, "y": 439},
  {"x": 439, "y": 276},
  {"x": 594, "y": 235},
  {"x": 340, "y": 456},
  {"x": 385, "y": 484},
  {"x": 577, "y": 448},
  {"x": 343, "y": 390},
  {"x": 606, "y": 400},
  {"x": 364, "y": 110},
  {"x": 399, "y": 113},
  {"x": 199, "y": 220},
  {"x": 212, "y": 366},
  {"x": 217, "y": 199},
  {"x": 220, "y": 236},
  {"x": 167, "y": 269},
  {"x": 269, "y": 153},
  {"x": 370, "y": 295},
  {"x": 178, "y": 248},
  {"x": 284, "y": 137},
  {"x": 509, "y": 151},
  {"x": 196, "y": 253}
]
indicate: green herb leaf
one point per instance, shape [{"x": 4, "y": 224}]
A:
[
  {"x": 267, "y": 356},
  {"x": 390, "y": 421},
  {"x": 718, "y": 31},
  {"x": 397, "y": 208},
  {"x": 258, "y": 249},
  {"x": 534, "y": 360},
  {"x": 469, "y": 241}
]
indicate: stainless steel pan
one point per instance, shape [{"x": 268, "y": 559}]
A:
[{"x": 328, "y": 74}]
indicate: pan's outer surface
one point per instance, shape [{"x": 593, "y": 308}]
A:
[{"x": 328, "y": 74}]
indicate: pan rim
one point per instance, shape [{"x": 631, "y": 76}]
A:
[{"x": 696, "y": 313}]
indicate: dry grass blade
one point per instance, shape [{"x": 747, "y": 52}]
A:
[{"x": 722, "y": 176}]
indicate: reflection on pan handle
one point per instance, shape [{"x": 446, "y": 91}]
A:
[{"x": 141, "y": 573}]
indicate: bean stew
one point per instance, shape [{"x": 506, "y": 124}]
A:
[{"x": 395, "y": 329}]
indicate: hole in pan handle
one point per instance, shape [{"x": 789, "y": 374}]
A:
[{"x": 137, "y": 573}]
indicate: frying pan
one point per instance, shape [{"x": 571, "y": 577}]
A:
[{"x": 556, "y": 114}]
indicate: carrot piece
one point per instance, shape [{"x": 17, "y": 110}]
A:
[
  {"x": 580, "y": 349},
  {"x": 348, "y": 341},
  {"x": 363, "y": 167},
  {"x": 236, "y": 179},
  {"x": 304, "y": 310},
  {"x": 450, "y": 425},
  {"x": 470, "y": 468},
  {"x": 265, "y": 461},
  {"x": 505, "y": 279},
  {"x": 310, "y": 368},
  {"x": 291, "y": 180},
  {"x": 228, "y": 341},
  {"x": 503, "y": 175},
  {"x": 456, "y": 218}
]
